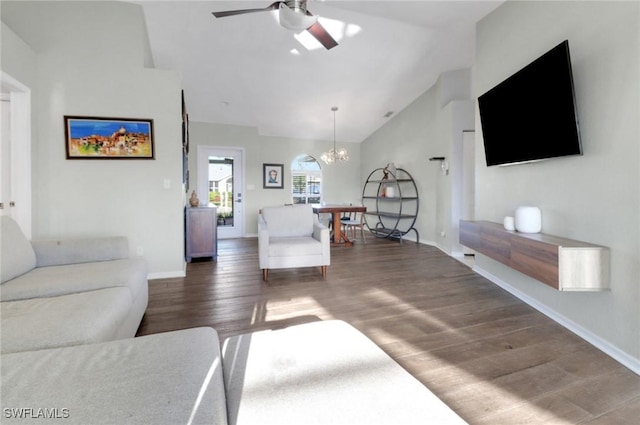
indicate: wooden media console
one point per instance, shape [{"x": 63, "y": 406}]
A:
[{"x": 564, "y": 264}]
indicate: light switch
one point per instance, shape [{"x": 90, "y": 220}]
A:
[{"x": 167, "y": 184}]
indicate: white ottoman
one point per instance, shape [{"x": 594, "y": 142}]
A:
[{"x": 322, "y": 373}]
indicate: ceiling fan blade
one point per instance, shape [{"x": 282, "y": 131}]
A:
[
  {"x": 321, "y": 34},
  {"x": 273, "y": 6}
]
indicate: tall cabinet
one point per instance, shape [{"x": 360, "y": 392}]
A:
[{"x": 201, "y": 233}]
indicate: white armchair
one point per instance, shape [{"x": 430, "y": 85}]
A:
[{"x": 291, "y": 236}]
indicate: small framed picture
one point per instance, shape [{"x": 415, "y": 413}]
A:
[
  {"x": 108, "y": 138},
  {"x": 273, "y": 175}
]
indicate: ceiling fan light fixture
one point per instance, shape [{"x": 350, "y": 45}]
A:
[
  {"x": 334, "y": 155},
  {"x": 296, "y": 21},
  {"x": 292, "y": 15}
]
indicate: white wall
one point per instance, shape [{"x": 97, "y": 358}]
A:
[
  {"x": 341, "y": 182},
  {"x": 458, "y": 117},
  {"x": 429, "y": 127},
  {"x": 90, "y": 61},
  {"x": 595, "y": 197},
  {"x": 17, "y": 58},
  {"x": 408, "y": 140}
]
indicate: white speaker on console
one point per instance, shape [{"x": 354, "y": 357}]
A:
[
  {"x": 509, "y": 223},
  {"x": 528, "y": 219}
]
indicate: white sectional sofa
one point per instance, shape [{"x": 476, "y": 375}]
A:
[
  {"x": 316, "y": 373},
  {"x": 69, "y": 312},
  {"x": 70, "y": 292}
]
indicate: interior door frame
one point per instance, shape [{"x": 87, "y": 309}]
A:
[
  {"x": 468, "y": 190},
  {"x": 206, "y": 151},
  {"x": 20, "y": 131}
]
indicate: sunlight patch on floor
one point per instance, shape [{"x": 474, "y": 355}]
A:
[
  {"x": 275, "y": 310},
  {"x": 413, "y": 314}
]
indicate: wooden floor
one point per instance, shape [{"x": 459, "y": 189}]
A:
[{"x": 489, "y": 356}]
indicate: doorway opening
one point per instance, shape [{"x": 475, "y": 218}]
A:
[{"x": 15, "y": 151}]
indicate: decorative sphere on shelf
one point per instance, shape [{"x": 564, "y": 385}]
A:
[{"x": 528, "y": 220}]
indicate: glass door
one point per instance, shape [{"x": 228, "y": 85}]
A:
[{"x": 220, "y": 184}]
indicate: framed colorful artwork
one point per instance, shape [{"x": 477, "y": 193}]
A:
[{"x": 108, "y": 138}]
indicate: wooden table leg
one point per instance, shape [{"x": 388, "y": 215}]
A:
[{"x": 339, "y": 238}]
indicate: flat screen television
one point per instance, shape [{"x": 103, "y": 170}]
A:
[{"x": 532, "y": 115}]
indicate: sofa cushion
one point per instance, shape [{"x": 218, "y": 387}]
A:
[
  {"x": 85, "y": 250},
  {"x": 322, "y": 373},
  {"x": 72, "y": 278},
  {"x": 170, "y": 378},
  {"x": 294, "y": 247},
  {"x": 16, "y": 254},
  {"x": 83, "y": 318},
  {"x": 288, "y": 221}
]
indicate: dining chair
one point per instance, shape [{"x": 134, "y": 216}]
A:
[{"x": 352, "y": 222}]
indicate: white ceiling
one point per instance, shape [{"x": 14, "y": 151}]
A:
[{"x": 247, "y": 70}]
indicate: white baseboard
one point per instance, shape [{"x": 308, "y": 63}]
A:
[
  {"x": 166, "y": 275},
  {"x": 603, "y": 345},
  {"x": 411, "y": 237}
]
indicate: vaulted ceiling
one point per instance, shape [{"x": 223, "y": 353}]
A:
[{"x": 248, "y": 70}]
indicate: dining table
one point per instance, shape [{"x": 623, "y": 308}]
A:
[{"x": 336, "y": 210}]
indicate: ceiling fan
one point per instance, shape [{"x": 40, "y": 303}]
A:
[{"x": 294, "y": 16}]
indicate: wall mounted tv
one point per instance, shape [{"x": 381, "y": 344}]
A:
[{"x": 532, "y": 115}]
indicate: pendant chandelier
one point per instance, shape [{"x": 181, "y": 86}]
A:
[{"x": 334, "y": 155}]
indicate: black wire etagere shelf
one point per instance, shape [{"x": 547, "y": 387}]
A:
[{"x": 391, "y": 198}]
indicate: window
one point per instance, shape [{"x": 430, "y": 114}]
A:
[{"x": 306, "y": 178}]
